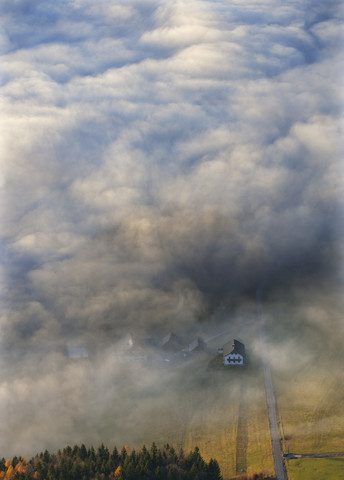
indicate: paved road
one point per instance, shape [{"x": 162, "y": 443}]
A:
[{"x": 280, "y": 470}]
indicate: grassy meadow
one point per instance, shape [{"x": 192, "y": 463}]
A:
[
  {"x": 316, "y": 469},
  {"x": 209, "y": 419},
  {"x": 311, "y": 411},
  {"x": 307, "y": 360},
  {"x": 197, "y": 405}
]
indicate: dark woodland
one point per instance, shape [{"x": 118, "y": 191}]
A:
[{"x": 81, "y": 463}]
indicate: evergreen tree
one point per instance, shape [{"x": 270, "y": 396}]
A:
[
  {"x": 214, "y": 472},
  {"x": 92, "y": 454},
  {"x": 103, "y": 453},
  {"x": 115, "y": 457},
  {"x": 83, "y": 452},
  {"x": 154, "y": 453},
  {"x": 76, "y": 471},
  {"x": 51, "y": 473},
  {"x": 46, "y": 457},
  {"x": 158, "y": 474},
  {"x": 123, "y": 456},
  {"x": 75, "y": 451},
  {"x": 67, "y": 451}
]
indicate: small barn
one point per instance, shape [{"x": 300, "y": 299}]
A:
[
  {"x": 234, "y": 353},
  {"x": 133, "y": 348},
  {"x": 197, "y": 345},
  {"x": 171, "y": 343}
]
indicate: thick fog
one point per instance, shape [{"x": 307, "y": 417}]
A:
[{"x": 161, "y": 161}]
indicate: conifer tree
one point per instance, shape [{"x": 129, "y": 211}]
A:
[
  {"x": 115, "y": 457},
  {"x": 83, "y": 452},
  {"x": 214, "y": 472},
  {"x": 123, "y": 455}
]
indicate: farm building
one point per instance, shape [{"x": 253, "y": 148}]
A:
[
  {"x": 171, "y": 342},
  {"x": 133, "y": 348},
  {"x": 234, "y": 353},
  {"x": 197, "y": 345}
]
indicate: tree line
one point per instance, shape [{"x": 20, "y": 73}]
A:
[{"x": 81, "y": 463}]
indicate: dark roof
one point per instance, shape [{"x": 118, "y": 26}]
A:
[
  {"x": 171, "y": 341},
  {"x": 197, "y": 344},
  {"x": 132, "y": 343},
  {"x": 234, "y": 346}
]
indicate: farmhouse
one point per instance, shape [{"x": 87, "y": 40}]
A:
[{"x": 234, "y": 353}]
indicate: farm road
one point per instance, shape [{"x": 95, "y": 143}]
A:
[{"x": 280, "y": 470}]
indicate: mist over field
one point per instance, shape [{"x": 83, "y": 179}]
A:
[{"x": 161, "y": 161}]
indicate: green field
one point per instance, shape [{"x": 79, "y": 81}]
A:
[{"x": 316, "y": 469}]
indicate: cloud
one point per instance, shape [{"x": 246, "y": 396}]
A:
[{"x": 159, "y": 160}]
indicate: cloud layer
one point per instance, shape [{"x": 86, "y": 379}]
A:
[{"x": 160, "y": 160}]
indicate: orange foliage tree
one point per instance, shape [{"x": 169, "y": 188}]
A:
[
  {"x": 9, "y": 473},
  {"x": 118, "y": 472}
]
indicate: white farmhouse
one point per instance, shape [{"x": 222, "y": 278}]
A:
[{"x": 234, "y": 353}]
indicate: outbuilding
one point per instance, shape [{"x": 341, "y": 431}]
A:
[
  {"x": 171, "y": 343},
  {"x": 197, "y": 345}
]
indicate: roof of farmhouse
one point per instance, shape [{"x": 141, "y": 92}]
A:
[{"x": 234, "y": 346}]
